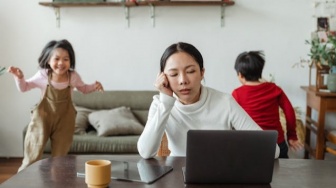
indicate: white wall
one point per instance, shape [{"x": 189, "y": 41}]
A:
[{"x": 125, "y": 58}]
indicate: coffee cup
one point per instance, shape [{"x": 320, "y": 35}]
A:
[{"x": 98, "y": 173}]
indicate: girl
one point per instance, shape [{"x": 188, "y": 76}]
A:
[
  {"x": 184, "y": 103},
  {"x": 54, "y": 117}
]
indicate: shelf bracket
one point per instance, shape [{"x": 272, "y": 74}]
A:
[
  {"x": 222, "y": 14},
  {"x": 127, "y": 16},
  {"x": 152, "y": 14},
  {"x": 58, "y": 16}
]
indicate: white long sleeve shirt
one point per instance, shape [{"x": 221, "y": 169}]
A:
[{"x": 214, "y": 111}]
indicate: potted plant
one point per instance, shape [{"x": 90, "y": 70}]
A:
[
  {"x": 331, "y": 53},
  {"x": 323, "y": 56},
  {"x": 318, "y": 52},
  {"x": 331, "y": 59},
  {"x": 318, "y": 61}
]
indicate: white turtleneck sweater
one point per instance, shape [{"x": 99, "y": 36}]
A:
[{"x": 214, "y": 111}]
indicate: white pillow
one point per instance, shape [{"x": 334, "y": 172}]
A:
[{"x": 118, "y": 121}]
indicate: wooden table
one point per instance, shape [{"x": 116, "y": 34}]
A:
[
  {"x": 322, "y": 102},
  {"x": 60, "y": 172}
]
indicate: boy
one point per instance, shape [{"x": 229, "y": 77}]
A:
[{"x": 261, "y": 100}]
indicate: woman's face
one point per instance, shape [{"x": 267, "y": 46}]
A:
[{"x": 184, "y": 77}]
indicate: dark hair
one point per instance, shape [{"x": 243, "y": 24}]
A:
[
  {"x": 181, "y": 47},
  {"x": 49, "y": 49},
  {"x": 250, "y": 65}
]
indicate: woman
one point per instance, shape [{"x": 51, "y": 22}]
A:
[{"x": 184, "y": 103}]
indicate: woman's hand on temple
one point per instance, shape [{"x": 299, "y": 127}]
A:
[{"x": 162, "y": 84}]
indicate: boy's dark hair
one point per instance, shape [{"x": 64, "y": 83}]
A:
[
  {"x": 49, "y": 49},
  {"x": 250, "y": 65},
  {"x": 181, "y": 47}
]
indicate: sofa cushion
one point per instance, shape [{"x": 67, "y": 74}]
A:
[
  {"x": 82, "y": 121},
  {"x": 117, "y": 121},
  {"x": 138, "y": 101}
]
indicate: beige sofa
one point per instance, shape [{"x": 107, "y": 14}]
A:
[{"x": 106, "y": 106}]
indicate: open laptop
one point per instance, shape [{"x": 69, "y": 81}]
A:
[{"x": 230, "y": 157}]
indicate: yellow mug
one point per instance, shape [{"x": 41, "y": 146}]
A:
[{"x": 98, "y": 173}]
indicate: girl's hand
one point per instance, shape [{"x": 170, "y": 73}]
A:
[
  {"x": 16, "y": 72},
  {"x": 295, "y": 144},
  {"x": 99, "y": 86},
  {"x": 162, "y": 84}
]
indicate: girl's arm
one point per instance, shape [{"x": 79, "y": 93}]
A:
[
  {"x": 77, "y": 82},
  {"x": 150, "y": 139},
  {"x": 37, "y": 81}
]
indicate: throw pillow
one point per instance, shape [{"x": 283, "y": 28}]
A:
[
  {"x": 117, "y": 121},
  {"x": 82, "y": 121}
]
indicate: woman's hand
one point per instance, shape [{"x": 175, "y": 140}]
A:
[
  {"x": 16, "y": 72},
  {"x": 295, "y": 144},
  {"x": 162, "y": 84},
  {"x": 99, "y": 86}
]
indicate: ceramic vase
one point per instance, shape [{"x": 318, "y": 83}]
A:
[{"x": 331, "y": 80}]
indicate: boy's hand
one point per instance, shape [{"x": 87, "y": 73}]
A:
[
  {"x": 16, "y": 72},
  {"x": 99, "y": 87},
  {"x": 162, "y": 84},
  {"x": 295, "y": 144}
]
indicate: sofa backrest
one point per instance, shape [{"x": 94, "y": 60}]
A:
[{"x": 138, "y": 101}]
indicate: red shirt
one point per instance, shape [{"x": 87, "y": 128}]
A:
[{"x": 262, "y": 103}]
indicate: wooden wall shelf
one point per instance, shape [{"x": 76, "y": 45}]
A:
[
  {"x": 150, "y": 3},
  {"x": 138, "y": 3}
]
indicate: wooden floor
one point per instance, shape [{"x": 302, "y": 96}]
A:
[{"x": 9, "y": 167}]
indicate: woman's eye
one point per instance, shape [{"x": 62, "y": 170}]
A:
[
  {"x": 190, "y": 71},
  {"x": 172, "y": 75}
]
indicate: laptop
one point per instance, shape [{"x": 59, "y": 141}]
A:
[{"x": 230, "y": 156}]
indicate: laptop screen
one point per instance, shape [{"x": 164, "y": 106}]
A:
[{"x": 229, "y": 156}]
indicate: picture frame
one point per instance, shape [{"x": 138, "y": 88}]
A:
[{"x": 323, "y": 24}]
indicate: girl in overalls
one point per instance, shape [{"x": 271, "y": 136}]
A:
[{"x": 54, "y": 117}]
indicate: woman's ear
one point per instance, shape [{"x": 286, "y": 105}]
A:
[{"x": 202, "y": 73}]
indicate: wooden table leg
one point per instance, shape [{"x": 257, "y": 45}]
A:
[
  {"x": 307, "y": 134},
  {"x": 320, "y": 132}
]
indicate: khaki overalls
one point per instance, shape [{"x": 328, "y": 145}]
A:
[{"x": 54, "y": 118}]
